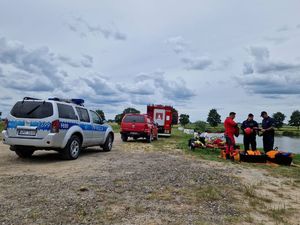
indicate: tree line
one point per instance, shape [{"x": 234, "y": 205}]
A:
[{"x": 214, "y": 119}]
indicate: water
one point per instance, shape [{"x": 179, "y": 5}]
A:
[{"x": 289, "y": 144}]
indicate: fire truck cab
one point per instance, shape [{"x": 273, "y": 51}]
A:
[{"x": 162, "y": 116}]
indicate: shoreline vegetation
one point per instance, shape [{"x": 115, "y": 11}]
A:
[{"x": 286, "y": 130}]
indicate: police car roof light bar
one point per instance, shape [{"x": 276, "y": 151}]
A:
[
  {"x": 76, "y": 101},
  {"x": 30, "y": 98}
]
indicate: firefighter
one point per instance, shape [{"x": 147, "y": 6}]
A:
[
  {"x": 249, "y": 127},
  {"x": 230, "y": 130},
  {"x": 268, "y": 131}
]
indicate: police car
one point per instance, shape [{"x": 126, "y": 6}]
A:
[{"x": 64, "y": 125}]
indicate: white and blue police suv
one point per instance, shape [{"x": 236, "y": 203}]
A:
[{"x": 55, "y": 124}]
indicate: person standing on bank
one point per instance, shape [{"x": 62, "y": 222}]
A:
[
  {"x": 230, "y": 130},
  {"x": 249, "y": 127},
  {"x": 268, "y": 131}
]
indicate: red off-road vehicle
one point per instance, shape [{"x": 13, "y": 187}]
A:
[{"x": 138, "y": 126}]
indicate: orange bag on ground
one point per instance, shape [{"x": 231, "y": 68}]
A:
[
  {"x": 256, "y": 152},
  {"x": 271, "y": 154}
]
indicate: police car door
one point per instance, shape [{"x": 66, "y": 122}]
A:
[
  {"x": 98, "y": 128},
  {"x": 86, "y": 125}
]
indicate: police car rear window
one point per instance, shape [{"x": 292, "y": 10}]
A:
[
  {"x": 66, "y": 112},
  {"x": 134, "y": 118},
  {"x": 32, "y": 109}
]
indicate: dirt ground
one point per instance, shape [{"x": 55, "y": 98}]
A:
[{"x": 138, "y": 184}]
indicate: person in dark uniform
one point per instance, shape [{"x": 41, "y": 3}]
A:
[
  {"x": 250, "y": 127},
  {"x": 268, "y": 131}
]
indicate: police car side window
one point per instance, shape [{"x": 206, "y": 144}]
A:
[
  {"x": 66, "y": 112},
  {"x": 83, "y": 114},
  {"x": 96, "y": 118}
]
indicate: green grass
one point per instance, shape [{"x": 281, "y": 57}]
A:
[
  {"x": 115, "y": 127},
  {"x": 288, "y": 131},
  {"x": 1, "y": 125},
  {"x": 182, "y": 143},
  {"x": 217, "y": 129}
]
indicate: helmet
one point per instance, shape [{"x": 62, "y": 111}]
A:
[{"x": 248, "y": 131}]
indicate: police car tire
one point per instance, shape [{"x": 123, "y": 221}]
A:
[
  {"x": 108, "y": 143},
  {"x": 23, "y": 152},
  {"x": 66, "y": 152}
]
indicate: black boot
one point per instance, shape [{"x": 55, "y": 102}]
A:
[{"x": 227, "y": 156}]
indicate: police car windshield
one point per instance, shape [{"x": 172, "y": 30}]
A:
[
  {"x": 134, "y": 118},
  {"x": 32, "y": 109}
]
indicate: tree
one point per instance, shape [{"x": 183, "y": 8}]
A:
[
  {"x": 130, "y": 110},
  {"x": 119, "y": 117},
  {"x": 200, "y": 126},
  {"x": 101, "y": 113},
  {"x": 213, "y": 118},
  {"x": 184, "y": 119},
  {"x": 278, "y": 119},
  {"x": 174, "y": 117},
  {"x": 295, "y": 119}
]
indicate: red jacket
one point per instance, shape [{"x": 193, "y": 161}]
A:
[{"x": 230, "y": 126}]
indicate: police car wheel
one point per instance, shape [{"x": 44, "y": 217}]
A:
[
  {"x": 23, "y": 152},
  {"x": 72, "y": 149},
  {"x": 108, "y": 143}
]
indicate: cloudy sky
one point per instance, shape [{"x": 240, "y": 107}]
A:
[{"x": 231, "y": 55}]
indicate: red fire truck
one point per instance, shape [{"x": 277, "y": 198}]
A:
[{"x": 162, "y": 115}]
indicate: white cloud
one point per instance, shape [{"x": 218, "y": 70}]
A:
[
  {"x": 268, "y": 77},
  {"x": 196, "y": 63},
  {"x": 83, "y": 28},
  {"x": 178, "y": 44}
]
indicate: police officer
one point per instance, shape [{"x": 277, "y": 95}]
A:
[
  {"x": 249, "y": 127},
  {"x": 268, "y": 131}
]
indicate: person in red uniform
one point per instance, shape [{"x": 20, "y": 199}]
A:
[{"x": 230, "y": 130}]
